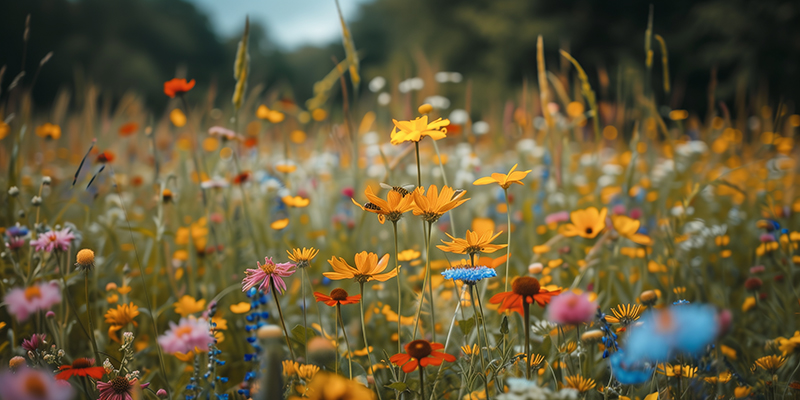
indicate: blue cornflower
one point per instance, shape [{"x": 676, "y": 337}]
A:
[
  {"x": 688, "y": 328},
  {"x": 469, "y": 275},
  {"x": 629, "y": 372}
]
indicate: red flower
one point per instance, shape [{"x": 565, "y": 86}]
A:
[
  {"x": 105, "y": 157},
  {"x": 241, "y": 178},
  {"x": 80, "y": 367},
  {"x": 526, "y": 288},
  {"x": 338, "y": 296},
  {"x": 421, "y": 352},
  {"x": 128, "y": 129},
  {"x": 177, "y": 87}
]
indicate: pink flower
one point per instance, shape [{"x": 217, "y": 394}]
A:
[
  {"x": 53, "y": 240},
  {"x": 36, "y": 341},
  {"x": 766, "y": 237},
  {"x": 571, "y": 309},
  {"x": 187, "y": 335},
  {"x": 118, "y": 388},
  {"x": 222, "y": 132},
  {"x": 618, "y": 209},
  {"x": 32, "y": 384},
  {"x": 554, "y": 218},
  {"x": 21, "y": 303},
  {"x": 270, "y": 273}
]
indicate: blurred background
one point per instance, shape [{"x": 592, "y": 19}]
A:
[{"x": 752, "y": 47}]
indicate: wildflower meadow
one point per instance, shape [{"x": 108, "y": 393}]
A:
[{"x": 388, "y": 239}]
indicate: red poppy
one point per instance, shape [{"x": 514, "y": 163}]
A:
[
  {"x": 137, "y": 180},
  {"x": 177, "y": 86},
  {"x": 524, "y": 287},
  {"x": 241, "y": 178},
  {"x": 250, "y": 142},
  {"x": 105, "y": 157},
  {"x": 81, "y": 367},
  {"x": 421, "y": 352},
  {"x": 128, "y": 129},
  {"x": 338, "y": 296}
]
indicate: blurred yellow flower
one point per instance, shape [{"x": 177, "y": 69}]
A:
[
  {"x": 240, "y": 308},
  {"x": 177, "y": 117},
  {"x": 770, "y": 363},
  {"x": 789, "y": 345},
  {"x": 119, "y": 317},
  {"x": 188, "y": 305},
  {"x": 279, "y": 224},
  {"x": 628, "y": 228},
  {"x": 408, "y": 255},
  {"x": 295, "y": 201},
  {"x": 504, "y": 180},
  {"x": 49, "y": 131},
  {"x": 273, "y": 116}
]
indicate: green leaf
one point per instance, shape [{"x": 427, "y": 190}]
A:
[
  {"x": 297, "y": 333},
  {"x": 504, "y": 325},
  {"x": 399, "y": 386},
  {"x": 466, "y": 325}
]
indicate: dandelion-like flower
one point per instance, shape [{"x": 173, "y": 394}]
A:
[
  {"x": 677, "y": 370},
  {"x": 625, "y": 314},
  {"x": 268, "y": 274},
  {"x": 421, "y": 353},
  {"x": 53, "y": 240},
  {"x": 580, "y": 383},
  {"x": 433, "y": 204},
  {"x": 770, "y": 363},
  {"x": 85, "y": 260},
  {"x": 118, "y": 317},
  {"x": 393, "y": 208},
  {"x": 469, "y": 275},
  {"x": 21, "y": 303}
]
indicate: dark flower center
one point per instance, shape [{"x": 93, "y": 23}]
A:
[
  {"x": 419, "y": 349},
  {"x": 526, "y": 286},
  {"x": 82, "y": 363},
  {"x": 589, "y": 231},
  {"x": 35, "y": 387},
  {"x": 120, "y": 385},
  {"x": 339, "y": 294}
]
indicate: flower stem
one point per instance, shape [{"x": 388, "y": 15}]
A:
[
  {"x": 526, "y": 317},
  {"x": 346, "y": 342},
  {"x": 336, "y": 359},
  {"x": 425, "y": 282},
  {"x": 280, "y": 314},
  {"x": 419, "y": 171},
  {"x": 89, "y": 314},
  {"x": 472, "y": 296},
  {"x": 305, "y": 321},
  {"x": 366, "y": 344},
  {"x": 399, "y": 293},
  {"x": 508, "y": 247},
  {"x": 422, "y": 382}
]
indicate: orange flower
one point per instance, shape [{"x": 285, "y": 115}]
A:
[
  {"x": 49, "y": 131},
  {"x": 434, "y": 204},
  {"x": 128, "y": 129},
  {"x": 473, "y": 244},
  {"x": 177, "y": 86},
  {"x": 523, "y": 288},
  {"x": 338, "y": 296},
  {"x": 119, "y": 317},
  {"x": 80, "y": 367},
  {"x": 628, "y": 228},
  {"x": 105, "y": 157},
  {"x": 393, "y": 207},
  {"x": 368, "y": 268},
  {"x": 504, "y": 180},
  {"x": 423, "y": 353}
]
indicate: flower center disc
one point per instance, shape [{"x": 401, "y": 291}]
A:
[
  {"x": 82, "y": 363},
  {"x": 419, "y": 349},
  {"x": 525, "y": 286},
  {"x": 120, "y": 385},
  {"x": 268, "y": 267},
  {"x": 339, "y": 294},
  {"x": 32, "y": 292}
]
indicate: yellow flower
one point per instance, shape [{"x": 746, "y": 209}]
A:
[
  {"x": 770, "y": 363},
  {"x": 587, "y": 223},
  {"x": 474, "y": 243},
  {"x": 302, "y": 258},
  {"x": 272, "y": 116},
  {"x": 415, "y": 130},
  {"x": 627, "y": 228},
  {"x": 177, "y": 117},
  {"x": 681, "y": 371},
  {"x": 728, "y": 352},
  {"x": 327, "y": 386},
  {"x": 48, "y": 131},
  {"x": 434, "y": 204},
  {"x": 742, "y": 391},
  {"x": 4, "y": 130},
  {"x": 504, "y": 180},
  {"x": 2, "y": 324},
  {"x": 470, "y": 350},
  {"x": 580, "y": 383},
  {"x": 408, "y": 255},
  {"x": 295, "y": 201},
  {"x": 279, "y": 224},
  {"x": 240, "y": 308},
  {"x": 749, "y": 303},
  {"x": 119, "y": 317},
  {"x": 198, "y": 231},
  {"x": 188, "y": 305},
  {"x": 307, "y": 372},
  {"x": 789, "y": 345},
  {"x": 625, "y": 314},
  {"x": 393, "y": 208},
  {"x": 368, "y": 268},
  {"x": 724, "y": 377},
  {"x": 185, "y": 357}
]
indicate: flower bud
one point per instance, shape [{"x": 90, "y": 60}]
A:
[
  {"x": 13, "y": 191},
  {"x": 36, "y": 201},
  {"x": 648, "y": 297},
  {"x": 425, "y": 109}
]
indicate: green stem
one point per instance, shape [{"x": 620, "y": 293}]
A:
[
  {"x": 280, "y": 314},
  {"x": 425, "y": 283},
  {"x": 419, "y": 171},
  {"x": 508, "y": 247},
  {"x": 472, "y": 294},
  {"x": 346, "y": 342},
  {"x": 366, "y": 343},
  {"x": 399, "y": 293},
  {"x": 422, "y": 382},
  {"x": 89, "y": 314},
  {"x": 336, "y": 359},
  {"x": 305, "y": 321},
  {"x": 526, "y": 317}
]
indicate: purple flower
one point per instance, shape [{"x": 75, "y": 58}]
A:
[
  {"x": 266, "y": 274},
  {"x": 53, "y": 240},
  {"x": 31, "y": 384},
  {"x": 21, "y": 303},
  {"x": 36, "y": 341}
]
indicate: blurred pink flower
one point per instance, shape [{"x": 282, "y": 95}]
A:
[
  {"x": 222, "y": 132},
  {"x": 21, "y": 303},
  {"x": 571, "y": 309},
  {"x": 618, "y": 209},
  {"x": 53, "y": 240},
  {"x": 265, "y": 273},
  {"x": 554, "y": 218},
  {"x": 119, "y": 388},
  {"x": 187, "y": 335},
  {"x": 32, "y": 384}
]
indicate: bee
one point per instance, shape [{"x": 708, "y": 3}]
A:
[
  {"x": 457, "y": 194},
  {"x": 370, "y": 206},
  {"x": 403, "y": 190}
]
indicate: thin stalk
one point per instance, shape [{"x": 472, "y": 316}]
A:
[
  {"x": 305, "y": 321},
  {"x": 336, "y": 359},
  {"x": 425, "y": 282},
  {"x": 430, "y": 283},
  {"x": 89, "y": 314},
  {"x": 478, "y": 337},
  {"x": 280, "y": 314},
  {"x": 69, "y": 302},
  {"x": 419, "y": 171},
  {"x": 366, "y": 344},
  {"x": 508, "y": 247},
  {"x": 346, "y": 342},
  {"x": 526, "y": 317},
  {"x": 399, "y": 293},
  {"x": 449, "y": 333},
  {"x": 422, "y": 382}
]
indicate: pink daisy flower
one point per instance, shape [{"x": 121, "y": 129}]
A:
[
  {"x": 32, "y": 384},
  {"x": 119, "y": 388},
  {"x": 222, "y": 132},
  {"x": 53, "y": 240},
  {"x": 571, "y": 309},
  {"x": 21, "y": 303},
  {"x": 557, "y": 217},
  {"x": 187, "y": 335},
  {"x": 265, "y": 273}
]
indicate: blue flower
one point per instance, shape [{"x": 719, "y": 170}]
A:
[
  {"x": 629, "y": 372},
  {"x": 688, "y": 328},
  {"x": 469, "y": 275}
]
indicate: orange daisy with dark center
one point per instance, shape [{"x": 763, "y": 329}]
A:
[
  {"x": 523, "y": 289},
  {"x": 421, "y": 353},
  {"x": 337, "y": 297}
]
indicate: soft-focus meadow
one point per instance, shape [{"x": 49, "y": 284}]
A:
[{"x": 386, "y": 240}]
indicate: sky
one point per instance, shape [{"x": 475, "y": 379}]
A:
[{"x": 290, "y": 23}]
